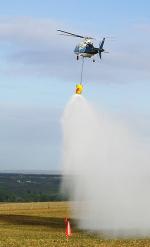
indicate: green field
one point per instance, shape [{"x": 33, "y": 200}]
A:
[{"x": 42, "y": 224}]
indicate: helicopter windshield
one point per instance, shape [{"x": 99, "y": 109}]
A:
[{"x": 76, "y": 48}]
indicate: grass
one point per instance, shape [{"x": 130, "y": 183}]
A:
[{"x": 42, "y": 225}]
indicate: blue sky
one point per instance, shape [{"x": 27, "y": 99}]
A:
[{"x": 38, "y": 71}]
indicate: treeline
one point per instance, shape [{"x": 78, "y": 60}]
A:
[
  {"x": 8, "y": 196},
  {"x": 30, "y": 188}
]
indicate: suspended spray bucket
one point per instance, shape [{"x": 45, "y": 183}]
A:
[{"x": 79, "y": 88}]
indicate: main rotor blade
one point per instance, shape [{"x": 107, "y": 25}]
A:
[
  {"x": 63, "y": 34},
  {"x": 71, "y": 34}
]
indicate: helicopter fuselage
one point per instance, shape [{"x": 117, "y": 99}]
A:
[{"x": 85, "y": 49}]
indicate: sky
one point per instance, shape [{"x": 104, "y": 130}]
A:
[{"x": 39, "y": 71}]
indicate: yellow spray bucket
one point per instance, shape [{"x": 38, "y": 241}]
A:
[{"x": 79, "y": 88}]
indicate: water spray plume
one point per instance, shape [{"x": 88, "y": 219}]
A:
[{"x": 110, "y": 173}]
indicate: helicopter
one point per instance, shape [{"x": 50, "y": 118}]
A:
[{"x": 86, "y": 47}]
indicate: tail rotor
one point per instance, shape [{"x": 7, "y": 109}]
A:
[{"x": 101, "y": 49}]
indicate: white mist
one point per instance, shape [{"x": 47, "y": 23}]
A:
[{"x": 110, "y": 172}]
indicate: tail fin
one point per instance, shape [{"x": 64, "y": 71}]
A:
[{"x": 101, "y": 44}]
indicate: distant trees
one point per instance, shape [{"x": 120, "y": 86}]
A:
[{"x": 16, "y": 188}]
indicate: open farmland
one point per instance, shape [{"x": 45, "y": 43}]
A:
[{"x": 42, "y": 224}]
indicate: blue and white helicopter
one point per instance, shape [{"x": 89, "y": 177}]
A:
[{"x": 86, "y": 47}]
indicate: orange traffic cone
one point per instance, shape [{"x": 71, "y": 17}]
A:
[{"x": 68, "y": 228}]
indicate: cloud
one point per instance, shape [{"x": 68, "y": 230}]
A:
[
  {"x": 37, "y": 50},
  {"x": 28, "y": 31}
]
